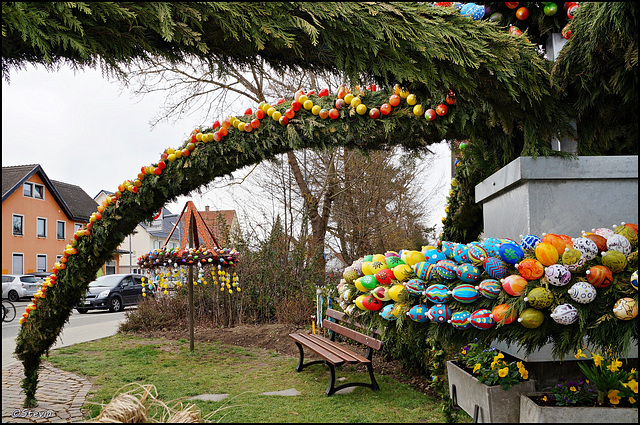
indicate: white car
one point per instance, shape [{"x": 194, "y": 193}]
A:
[{"x": 15, "y": 287}]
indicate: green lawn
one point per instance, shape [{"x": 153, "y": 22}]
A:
[{"x": 242, "y": 373}]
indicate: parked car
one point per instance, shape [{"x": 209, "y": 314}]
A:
[
  {"x": 19, "y": 286},
  {"x": 114, "y": 292},
  {"x": 42, "y": 275}
]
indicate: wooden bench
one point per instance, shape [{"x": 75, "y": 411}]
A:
[{"x": 334, "y": 354}]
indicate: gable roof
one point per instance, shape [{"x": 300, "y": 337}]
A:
[
  {"x": 74, "y": 201},
  {"x": 168, "y": 221},
  {"x": 219, "y": 222}
]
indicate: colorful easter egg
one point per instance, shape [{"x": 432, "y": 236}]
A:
[
  {"x": 481, "y": 319},
  {"x": 604, "y": 232},
  {"x": 587, "y": 247},
  {"x": 600, "y": 242},
  {"x": 372, "y": 303},
  {"x": 447, "y": 248},
  {"x": 368, "y": 282},
  {"x": 546, "y": 253},
  {"x": 571, "y": 256},
  {"x": 564, "y": 314},
  {"x": 557, "y": 274},
  {"x": 350, "y": 274},
  {"x": 510, "y": 253},
  {"x": 627, "y": 232},
  {"x": 366, "y": 268},
  {"x": 465, "y": 293},
  {"x": 403, "y": 272},
  {"x": 351, "y": 310},
  {"x": 460, "y": 319},
  {"x": 634, "y": 279},
  {"x": 531, "y": 318},
  {"x": 379, "y": 257},
  {"x": 437, "y": 293},
  {"x": 499, "y": 313},
  {"x": 415, "y": 287},
  {"x": 514, "y": 285},
  {"x": 368, "y": 257},
  {"x": 539, "y": 298},
  {"x": 582, "y": 292},
  {"x": 494, "y": 267},
  {"x": 414, "y": 257},
  {"x": 625, "y": 308},
  {"x": 359, "y": 286},
  {"x": 397, "y": 309},
  {"x": 358, "y": 266},
  {"x": 393, "y": 261},
  {"x": 599, "y": 276},
  {"x": 439, "y": 313},
  {"x": 530, "y": 241},
  {"x": 461, "y": 254},
  {"x": 492, "y": 246},
  {"x": 530, "y": 269},
  {"x": 555, "y": 240},
  {"x": 377, "y": 266},
  {"x": 477, "y": 254},
  {"x": 432, "y": 256},
  {"x": 386, "y": 312},
  {"x": 631, "y": 226},
  {"x": 398, "y": 293},
  {"x": 489, "y": 288},
  {"x": 381, "y": 293},
  {"x": 425, "y": 270},
  {"x": 358, "y": 301},
  {"x": 385, "y": 277},
  {"x": 446, "y": 269},
  {"x": 616, "y": 261},
  {"x": 418, "y": 313},
  {"x": 619, "y": 243},
  {"x": 467, "y": 272}
]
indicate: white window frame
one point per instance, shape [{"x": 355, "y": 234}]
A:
[
  {"x": 64, "y": 229},
  {"x": 76, "y": 227},
  {"x": 41, "y": 188},
  {"x": 22, "y": 229},
  {"x": 13, "y": 256},
  {"x": 38, "y": 256},
  {"x": 30, "y": 186},
  {"x": 110, "y": 264},
  {"x": 45, "y": 227}
]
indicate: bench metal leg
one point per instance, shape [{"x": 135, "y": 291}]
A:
[
  {"x": 302, "y": 365},
  {"x": 332, "y": 389}
]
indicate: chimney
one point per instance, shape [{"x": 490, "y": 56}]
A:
[{"x": 206, "y": 208}]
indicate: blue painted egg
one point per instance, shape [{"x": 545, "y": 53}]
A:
[
  {"x": 461, "y": 254},
  {"x": 468, "y": 273},
  {"x": 386, "y": 312},
  {"x": 447, "y": 248},
  {"x": 492, "y": 245},
  {"x": 415, "y": 287},
  {"x": 495, "y": 267},
  {"x": 481, "y": 319},
  {"x": 529, "y": 241},
  {"x": 418, "y": 313},
  {"x": 425, "y": 270},
  {"x": 446, "y": 269},
  {"x": 634, "y": 280},
  {"x": 465, "y": 293},
  {"x": 439, "y": 313},
  {"x": 432, "y": 256},
  {"x": 437, "y": 293},
  {"x": 460, "y": 319},
  {"x": 511, "y": 253},
  {"x": 477, "y": 254},
  {"x": 490, "y": 288}
]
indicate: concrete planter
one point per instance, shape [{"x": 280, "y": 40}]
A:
[
  {"x": 531, "y": 412},
  {"x": 485, "y": 403}
]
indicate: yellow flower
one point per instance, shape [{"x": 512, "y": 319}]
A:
[
  {"x": 476, "y": 367},
  {"x": 544, "y": 398},
  {"x": 597, "y": 359},
  {"x": 498, "y": 357},
  {"x": 613, "y": 396},
  {"x": 464, "y": 351},
  {"x": 579, "y": 354},
  {"x": 633, "y": 385},
  {"x": 632, "y": 400},
  {"x": 573, "y": 389},
  {"x": 503, "y": 372},
  {"x": 524, "y": 373},
  {"x": 520, "y": 365},
  {"x": 615, "y": 366}
]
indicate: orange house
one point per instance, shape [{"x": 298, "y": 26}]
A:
[{"x": 39, "y": 218}]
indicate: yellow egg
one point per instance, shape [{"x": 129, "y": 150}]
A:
[
  {"x": 398, "y": 293},
  {"x": 358, "y": 301},
  {"x": 402, "y": 272}
]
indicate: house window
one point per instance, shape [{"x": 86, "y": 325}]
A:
[
  {"x": 58, "y": 257},
  {"x": 27, "y": 190},
  {"x": 33, "y": 190},
  {"x": 41, "y": 262},
  {"x": 41, "y": 227},
  {"x": 60, "y": 229},
  {"x": 18, "y": 225},
  {"x": 76, "y": 227},
  {"x": 38, "y": 191},
  {"x": 110, "y": 267},
  {"x": 18, "y": 263}
]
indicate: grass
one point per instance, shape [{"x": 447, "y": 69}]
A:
[{"x": 242, "y": 373}]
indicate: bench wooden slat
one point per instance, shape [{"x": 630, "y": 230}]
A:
[
  {"x": 338, "y": 315},
  {"x": 321, "y": 351},
  {"x": 350, "y": 333},
  {"x": 348, "y": 355}
]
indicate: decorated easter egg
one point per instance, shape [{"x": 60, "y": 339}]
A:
[
  {"x": 460, "y": 319},
  {"x": 385, "y": 277},
  {"x": 529, "y": 241},
  {"x": 403, "y": 272},
  {"x": 351, "y": 310},
  {"x": 418, "y": 313},
  {"x": 386, "y": 312},
  {"x": 379, "y": 257},
  {"x": 437, "y": 293},
  {"x": 432, "y": 256},
  {"x": 415, "y": 287},
  {"x": 393, "y": 261},
  {"x": 531, "y": 318},
  {"x": 425, "y": 270},
  {"x": 359, "y": 300},
  {"x": 446, "y": 269},
  {"x": 627, "y": 232},
  {"x": 477, "y": 254},
  {"x": 481, "y": 319},
  {"x": 381, "y": 293},
  {"x": 499, "y": 313},
  {"x": 600, "y": 242},
  {"x": 634, "y": 279},
  {"x": 514, "y": 285},
  {"x": 619, "y": 243},
  {"x": 398, "y": 293},
  {"x": 461, "y": 254},
  {"x": 510, "y": 253},
  {"x": 368, "y": 282},
  {"x": 467, "y": 272},
  {"x": 530, "y": 269},
  {"x": 557, "y": 274},
  {"x": 439, "y": 313},
  {"x": 616, "y": 261},
  {"x": 604, "y": 232},
  {"x": 391, "y": 254},
  {"x": 494, "y": 267},
  {"x": 625, "y": 308},
  {"x": 555, "y": 240},
  {"x": 350, "y": 274},
  {"x": 358, "y": 266},
  {"x": 564, "y": 314},
  {"x": 489, "y": 288},
  {"x": 465, "y": 293},
  {"x": 571, "y": 256},
  {"x": 366, "y": 268},
  {"x": 539, "y": 298},
  {"x": 414, "y": 257},
  {"x": 372, "y": 303},
  {"x": 368, "y": 257},
  {"x": 582, "y": 292},
  {"x": 546, "y": 253},
  {"x": 632, "y": 226},
  {"x": 492, "y": 246},
  {"x": 377, "y": 266},
  {"x": 398, "y": 308},
  {"x": 599, "y": 276},
  {"x": 359, "y": 286},
  {"x": 447, "y": 248}
]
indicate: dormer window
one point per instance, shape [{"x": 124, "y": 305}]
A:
[{"x": 33, "y": 190}]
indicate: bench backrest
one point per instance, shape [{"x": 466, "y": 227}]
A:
[{"x": 367, "y": 340}]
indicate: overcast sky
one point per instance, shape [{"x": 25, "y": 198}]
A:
[{"x": 82, "y": 129}]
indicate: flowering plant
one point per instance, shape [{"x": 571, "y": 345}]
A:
[
  {"x": 570, "y": 393},
  {"x": 490, "y": 368}
]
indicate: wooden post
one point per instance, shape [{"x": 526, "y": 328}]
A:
[{"x": 190, "y": 278}]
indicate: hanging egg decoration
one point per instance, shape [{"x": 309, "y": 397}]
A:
[
  {"x": 358, "y": 284},
  {"x": 634, "y": 280},
  {"x": 600, "y": 242},
  {"x": 350, "y": 274},
  {"x": 539, "y": 298},
  {"x": 424, "y": 270},
  {"x": 467, "y": 272},
  {"x": 465, "y": 293},
  {"x": 372, "y": 303},
  {"x": 573, "y": 260},
  {"x": 447, "y": 249},
  {"x": 603, "y": 231},
  {"x": 481, "y": 319},
  {"x": 377, "y": 266},
  {"x": 587, "y": 247},
  {"x": 446, "y": 269},
  {"x": 599, "y": 276},
  {"x": 616, "y": 261},
  {"x": 418, "y": 313},
  {"x": 402, "y": 272},
  {"x": 381, "y": 293},
  {"x": 557, "y": 274},
  {"x": 461, "y": 254},
  {"x": 546, "y": 253},
  {"x": 619, "y": 243},
  {"x": 555, "y": 240},
  {"x": 432, "y": 256},
  {"x": 398, "y": 293},
  {"x": 368, "y": 282},
  {"x": 582, "y": 292},
  {"x": 439, "y": 313},
  {"x": 510, "y": 253},
  {"x": 477, "y": 254},
  {"x": 415, "y": 287},
  {"x": 359, "y": 300},
  {"x": 627, "y": 232},
  {"x": 489, "y": 288},
  {"x": 385, "y": 277},
  {"x": 492, "y": 246},
  {"x": 437, "y": 293},
  {"x": 386, "y": 312},
  {"x": 625, "y": 309},
  {"x": 530, "y": 269},
  {"x": 564, "y": 314},
  {"x": 494, "y": 267},
  {"x": 514, "y": 285},
  {"x": 460, "y": 319},
  {"x": 413, "y": 257},
  {"x": 500, "y": 316},
  {"x": 529, "y": 241},
  {"x": 393, "y": 261},
  {"x": 531, "y": 318}
]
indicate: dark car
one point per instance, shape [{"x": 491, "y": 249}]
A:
[{"x": 114, "y": 292}]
